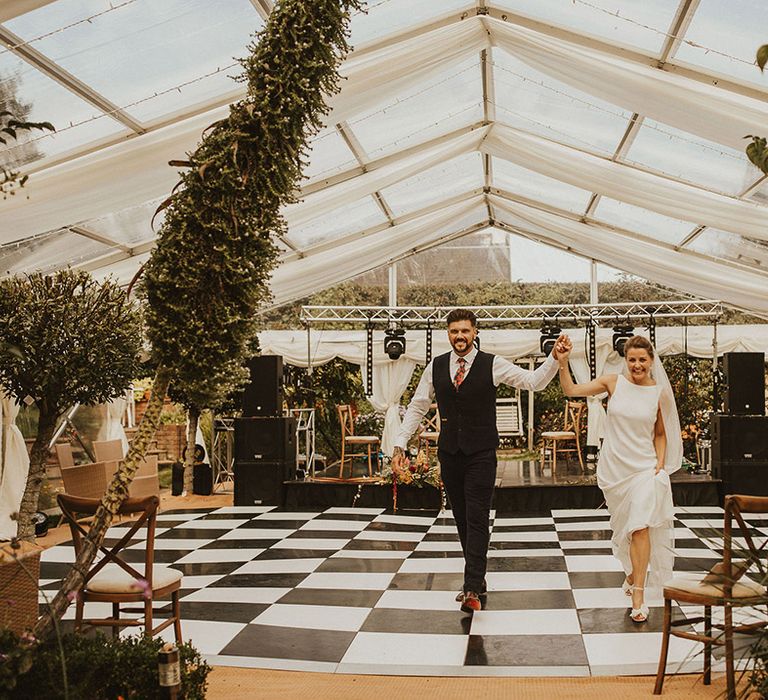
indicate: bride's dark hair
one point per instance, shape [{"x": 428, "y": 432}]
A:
[{"x": 638, "y": 341}]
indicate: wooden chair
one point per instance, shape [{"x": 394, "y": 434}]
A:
[
  {"x": 114, "y": 580},
  {"x": 724, "y": 586},
  {"x": 509, "y": 418},
  {"x": 574, "y": 410},
  {"x": 351, "y": 441},
  {"x": 429, "y": 430}
]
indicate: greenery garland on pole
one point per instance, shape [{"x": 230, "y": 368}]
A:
[{"x": 210, "y": 271}]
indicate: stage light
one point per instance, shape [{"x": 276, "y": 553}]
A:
[
  {"x": 394, "y": 342},
  {"x": 621, "y": 334},
  {"x": 549, "y": 335}
]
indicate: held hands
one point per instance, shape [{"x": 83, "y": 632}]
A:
[
  {"x": 398, "y": 458},
  {"x": 562, "y": 350}
]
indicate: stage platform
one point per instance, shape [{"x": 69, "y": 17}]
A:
[{"x": 522, "y": 486}]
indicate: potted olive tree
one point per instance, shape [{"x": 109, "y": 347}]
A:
[{"x": 68, "y": 339}]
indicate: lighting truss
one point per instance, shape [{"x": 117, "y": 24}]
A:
[{"x": 488, "y": 316}]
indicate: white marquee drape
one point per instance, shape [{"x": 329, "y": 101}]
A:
[
  {"x": 677, "y": 268},
  {"x": 15, "y": 466},
  {"x": 627, "y": 184},
  {"x": 390, "y": 380}
]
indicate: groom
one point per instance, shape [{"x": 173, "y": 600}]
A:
[{"x": 464, "y": 383}]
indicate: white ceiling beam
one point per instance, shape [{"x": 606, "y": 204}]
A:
[
  {"x": 348, "y": 135},
  {"x": 723, "y": 82},
  {"x": 679, "y": 26},
  {"x": 104, "y": 240},
  {"x": 66, "y": 79},
  {"x": 116, "y": 257},
  {"x": 263, "y": 7},
  {"x": 10, "y": 9}
]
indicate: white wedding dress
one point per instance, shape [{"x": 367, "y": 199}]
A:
[{"x": 636, "y": 496}]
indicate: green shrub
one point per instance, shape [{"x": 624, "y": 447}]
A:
[{"x": 97, "y": 668}]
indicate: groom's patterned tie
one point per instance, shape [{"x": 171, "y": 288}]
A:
[{"x": 459, "y": 378}]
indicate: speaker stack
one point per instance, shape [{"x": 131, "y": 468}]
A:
[
  {"x": 265, "y": 440},
  {"x": 740, "y": 435}
]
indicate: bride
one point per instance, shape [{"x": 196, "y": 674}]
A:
[{"x": 641, "y": 448}]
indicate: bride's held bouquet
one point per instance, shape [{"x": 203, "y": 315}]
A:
[{"x": 423, "y": 469}]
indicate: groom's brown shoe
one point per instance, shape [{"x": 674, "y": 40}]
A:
[{"x": 471, "y": 603}]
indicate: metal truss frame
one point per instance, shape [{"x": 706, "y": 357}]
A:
[{"x": 489, "y": 316}]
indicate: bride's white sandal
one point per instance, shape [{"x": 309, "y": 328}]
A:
[
  {"x": 626, "y": 587},
  {"x": 638, "y": 615}
]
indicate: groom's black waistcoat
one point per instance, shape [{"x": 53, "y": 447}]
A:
[{"x": 467, "y": 414}]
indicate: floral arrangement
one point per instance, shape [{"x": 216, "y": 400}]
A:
[{"x": 424, "y": 469}]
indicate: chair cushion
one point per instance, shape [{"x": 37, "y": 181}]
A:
[
  {"x": 694, "y": 583},
  {"x": 558, "y": 434},
  {"x": 361, "y": 439},
  {"x": 114, "y": 579}
]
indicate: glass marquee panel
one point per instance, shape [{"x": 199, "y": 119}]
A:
[
  {"x": 541, "y": 188},
  {"x": 646, "y": 223},
  {"x": 357, "y": 216},
  {"x": 727, "y": 34},
  {"x": 77, "y": 122},
  {"x": 673, "y": 152},
  {"x": 623, "y": 22},
  {"x": 455, "y": 177},
  {"x": 450, "y": 100},
  {"x": 145, "y": 48},
  {"x": 534, "y": 102}
]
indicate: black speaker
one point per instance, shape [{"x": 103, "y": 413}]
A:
[
  {"x": 739, "y": 439},
  {"x": 745, "y": 383},
  {"x": 202, "y": 479},
  {"x": 261, "y": 483},
  {"x": 265, "y": 439},
  {"x": 177, "y": 478},
  {"x": 263, "y": 395},
  {"x": 749, "y": 478}
]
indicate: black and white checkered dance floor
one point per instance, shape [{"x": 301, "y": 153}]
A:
[{"x": 363, "y": 591}]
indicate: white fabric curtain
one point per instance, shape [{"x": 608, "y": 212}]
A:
[
  {"x": 511, "y": 343},
  {"x": 113, "y": 427},
  {"x": 390, "y": 380},
  {"x": 15, "y": 466},
  {"x": 626, "y": 183},
  {"x": 676, "y": 268}
]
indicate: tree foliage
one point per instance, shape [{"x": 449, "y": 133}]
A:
[{"x": 68, "y": 339}]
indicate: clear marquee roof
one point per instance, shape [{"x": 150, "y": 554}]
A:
[{"x": 612, "y": 129}]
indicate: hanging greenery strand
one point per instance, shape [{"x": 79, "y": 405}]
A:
[{"x": 209, "y": 274}]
